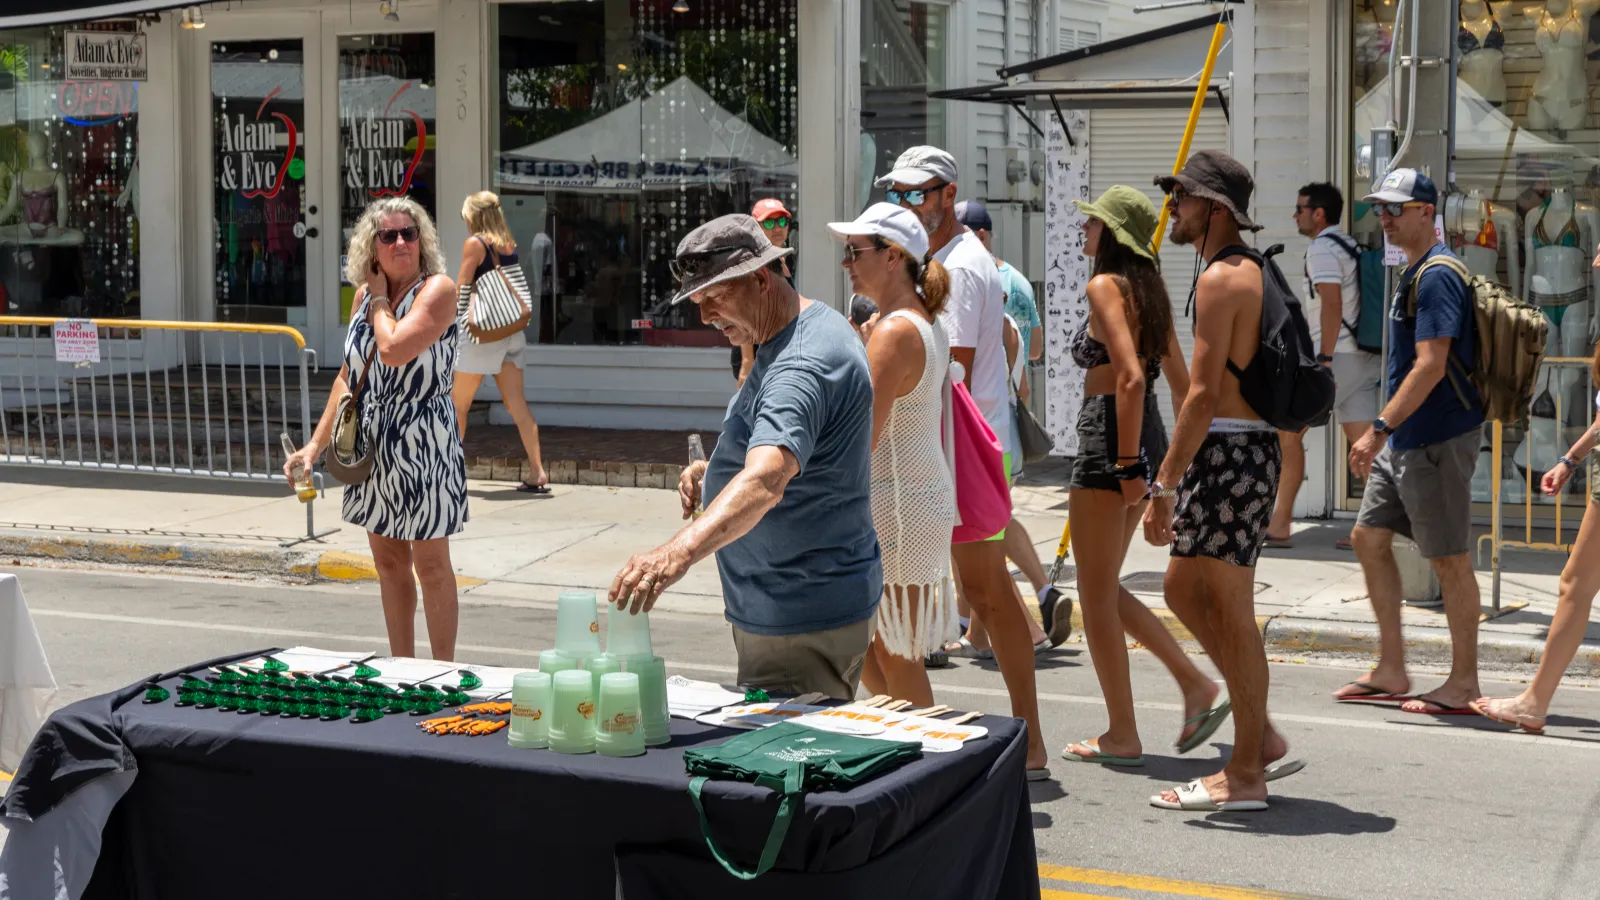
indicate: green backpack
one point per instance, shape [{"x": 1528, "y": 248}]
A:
[
  {"x": 790, "y": 759},
  {"x": 1509, "y": 345}
]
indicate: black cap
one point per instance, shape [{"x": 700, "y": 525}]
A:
[
  {"x": 1218, "y": 177},
  {"x": 972, "y": 214},
  {"x": 861, "y": 309}
]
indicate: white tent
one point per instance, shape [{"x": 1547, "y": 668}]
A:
[{"x": 676, "y": 134}]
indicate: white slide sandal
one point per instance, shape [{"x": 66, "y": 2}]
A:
[{"x": 1194, "y": 797}]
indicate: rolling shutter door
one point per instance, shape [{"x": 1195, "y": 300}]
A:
[{"x": 1132, "y": 147}]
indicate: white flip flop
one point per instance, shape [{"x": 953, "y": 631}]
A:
[
  {"x": 1194, "y": 797},
  {"x": 1283, "y": 769}
]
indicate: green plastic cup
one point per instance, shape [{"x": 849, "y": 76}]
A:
[
  {"x": 572, "y": 712},
  {"x": 619, "y": 727},
  {"x": 553, "y": 661},
  {"x": 577, "y": 624},
  {"x": 652, "y": 674},
  {"x": 599, "y": 666},
  {"x": 530, "y": 710},
  {"x": 628, "y": 636}
]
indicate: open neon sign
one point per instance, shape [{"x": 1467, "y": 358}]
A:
[{"x": 90, "y": 103}]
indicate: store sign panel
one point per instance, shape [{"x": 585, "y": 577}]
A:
[
  {"x": 255, "y": 154},
  {"x": 106, "y": 56},
  {"x": 614, "y": 175},
  {"x": 383, "y": 150}
]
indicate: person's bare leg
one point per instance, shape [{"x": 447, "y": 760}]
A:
[
  {"x": 1281, "y": 528},
  {"x": 871, "y": 672},
  {"x": 398, "y": 588},
  {"x": 1020, "y": 550},
  {"x": 1580, "y": 580},
  {"x": 1098, "y": 520},
  {"x": 983, "y": 572},
  {"x": 978, "y": 634},
  {"x": 509, "y": 381},
  {"x": 1352, "y": 433},
  {"x": 1375, "y": 549},
  {"x": 438, "y": 578},
  {"x": 465, "y": 389},
  {"x": 1462, "y": 607},
  {"x": 1229, "y": 601}
]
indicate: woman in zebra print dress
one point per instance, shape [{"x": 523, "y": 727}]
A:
[{"x": 404, "y": 320}]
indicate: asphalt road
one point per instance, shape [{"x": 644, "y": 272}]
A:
[{"x": 1390, "y": 806}]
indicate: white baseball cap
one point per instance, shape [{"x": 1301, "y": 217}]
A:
[
  {"x": 895, "y": 224},
  {"x": 920, "y": 165}
]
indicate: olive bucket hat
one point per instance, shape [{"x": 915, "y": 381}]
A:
[{"x": 1129, "y": 214}]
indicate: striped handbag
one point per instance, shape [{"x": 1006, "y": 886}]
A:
[{"x": 498, "y": 303}]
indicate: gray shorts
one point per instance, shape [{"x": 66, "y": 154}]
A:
[
  {"x": 1424, "y": 494},
  {"x": 487, "y": 359},
  {"x": 827, "y": 661},
  {"x": 1355, "y": 378}
]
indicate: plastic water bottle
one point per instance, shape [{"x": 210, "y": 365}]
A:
[
  {"x": 697, "y": 453},
  {"x": 303, "y": 488}
]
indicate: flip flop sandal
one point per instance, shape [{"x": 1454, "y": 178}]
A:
[
  {"x": 1439, "y": 709},
  {"x": 1210, "y": 721},
  {"x": 1283, "y": 769},
  {"x": 1095, "y": 756},
  {"x": 1371, "y": 693},
  {"x": 1038, "y": 774},
  {"x": 1279, "y": 543},
  {"x": 1343, "y": 544},
  {"x": 1194, "y": 797},
  {"x": 965, "y": 650},
  {"x": 1043, "y": 645},
  {"x": 1517, "y": 720},
  {"x": 539, "y": 489},
  {"x": 938, "y": 659},
  {"x": 1056, "y": 618}
]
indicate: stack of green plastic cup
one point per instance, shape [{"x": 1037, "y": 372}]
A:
[
  {"x": 599, "y": 666},
  {"x": 652, "y": 674},
  {"x": 553, "y": 661},
  {"x": 530, "y": 710},
  {"x": 577, "y": 624},
  {"x": 572, "y": 712},
  {"x": 628, "y": 636},
  {"x": 618, "y": 729}
]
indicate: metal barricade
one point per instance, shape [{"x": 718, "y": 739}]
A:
[
  {"x": 1557, "y": 370},
  {"x": 199, "y": 399}
]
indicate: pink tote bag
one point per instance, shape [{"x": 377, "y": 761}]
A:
[{"x": 983, "y": 495}]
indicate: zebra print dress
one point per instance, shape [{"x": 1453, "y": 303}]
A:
[{"x": 418, "y": 487}]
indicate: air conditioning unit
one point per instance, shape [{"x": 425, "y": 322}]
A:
[{"x": 1016, "y": 175}]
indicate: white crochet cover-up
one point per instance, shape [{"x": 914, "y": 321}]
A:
[{"x": 914, "y": 507}]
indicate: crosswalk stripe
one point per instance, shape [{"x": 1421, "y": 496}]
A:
[{"x": 1153, "y": 884}]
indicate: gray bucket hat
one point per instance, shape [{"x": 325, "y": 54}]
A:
[
  {"x": 720, "y": 250},
  {"x": 1218, "y": 177}
]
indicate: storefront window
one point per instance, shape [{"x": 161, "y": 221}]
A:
[
  {"x": 902, "y": 61},
  {"x": 69, "y": 184},
  {"x": 619, "y": 128},
  {"x": 386, "y": 129}
]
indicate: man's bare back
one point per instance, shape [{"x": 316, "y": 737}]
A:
[{"x": 1233, "y": 287}]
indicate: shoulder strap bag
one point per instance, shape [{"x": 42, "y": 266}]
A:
[
  {"x": 340, "y": 456},
  {"x": 500, "y": 305}
]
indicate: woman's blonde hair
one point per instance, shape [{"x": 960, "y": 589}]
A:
[
  {"x": 928, "y": 276},
  {"x": 364, "y": 238},
  {"x": 481, "y": 212}
]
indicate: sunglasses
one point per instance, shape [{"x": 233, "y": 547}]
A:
[
  {"x": 1395, "y": 210},
  {"x": 390, "y": 235},
  {"x": 698, "y": 265},
  {"x": 852, "y": 252},
  {"x": 775, "y": 222},
  {"x": 914, "y": 197}
]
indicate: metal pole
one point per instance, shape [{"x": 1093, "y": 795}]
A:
[{"x": 1200, "y": 91}]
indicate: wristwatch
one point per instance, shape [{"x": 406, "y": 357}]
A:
[
  {"x": 1382, "y": 427},
  {"x": 1324, "y": 358},
  {"x": 1159, "y": 491}
]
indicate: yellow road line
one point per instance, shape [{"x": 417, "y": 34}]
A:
[
  {"x": 4, "y": 775},
  {"x": 1072, "y": 895},
  {"x": 1102, "y": 878}
]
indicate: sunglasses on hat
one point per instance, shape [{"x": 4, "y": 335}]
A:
[
  {"x": 775, "y": 222},
  {"x": 698, "y": 265},
  {"x": 390, "y": 235}
]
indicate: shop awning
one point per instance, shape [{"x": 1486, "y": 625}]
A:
[
  {"x": 1156, "y": 68},
  {"x": 23, "y": 13}
]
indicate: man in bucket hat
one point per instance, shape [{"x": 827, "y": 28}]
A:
[
  {"x": 787, "y": 499},
  {"x": 1214, "y": 492}
]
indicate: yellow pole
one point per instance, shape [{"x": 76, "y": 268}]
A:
[{"x": 1200, "y": 92}]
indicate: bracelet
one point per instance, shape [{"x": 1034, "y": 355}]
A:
[
  {"x": 1130, "y": 473},
  {"x": 1160, "y": 491},
  {"x": 1570, "y": 462}
]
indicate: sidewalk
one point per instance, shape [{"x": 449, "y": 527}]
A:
[
  {"x": 596, "y": 456},
  {"x": 523, "y": 549}
]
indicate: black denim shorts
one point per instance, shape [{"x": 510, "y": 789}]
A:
[{"x": 1097, "y": 442}]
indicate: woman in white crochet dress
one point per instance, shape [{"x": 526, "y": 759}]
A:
[{"x": 913, "y": 493}]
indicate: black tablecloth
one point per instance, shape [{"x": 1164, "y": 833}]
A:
[{"x": 252, "y": 806}]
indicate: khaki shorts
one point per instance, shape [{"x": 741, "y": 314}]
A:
[
  {"x": 487, "y": 359},
  {"x": 1355, "y": 378},
  {"x": 1424, "y": 494},
  {"x": 826, "y": 661},
  {"x": 1594, "y": 475}
]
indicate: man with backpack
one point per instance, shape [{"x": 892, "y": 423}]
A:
[
  {"x": 1419, "y": 453},
  {"x": 1214, "y": 492},
  {"x": 1347, "y": 334}
]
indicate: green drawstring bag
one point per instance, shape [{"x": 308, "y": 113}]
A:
[{"x": 790, "y": 759}]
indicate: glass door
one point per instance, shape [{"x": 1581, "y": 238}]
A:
[{"x": 265, "y": 242}]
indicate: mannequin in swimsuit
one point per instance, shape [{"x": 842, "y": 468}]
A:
[
  {"x": 39, "y": 194},
  {"x": 1560, "y": 92},
  {"x": 1482, "y": 233},
  {"x": 1479, "y": 42}
]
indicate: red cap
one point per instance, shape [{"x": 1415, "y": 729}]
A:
[{"x": 766, "y": 209}]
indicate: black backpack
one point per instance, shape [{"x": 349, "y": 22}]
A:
[{"x": 1284, "y": 383}]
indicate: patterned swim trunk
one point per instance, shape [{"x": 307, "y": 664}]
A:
[{"x": 1225, "y": 498}]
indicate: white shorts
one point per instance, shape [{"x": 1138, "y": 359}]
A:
[
  {"x": 1355, "y": 378},
  {"x": 487, "y": 359}
]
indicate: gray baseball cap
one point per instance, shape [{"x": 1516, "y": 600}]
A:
[
  {"x": 920, "y": 165},
  {"x": 720, "y": 250}
]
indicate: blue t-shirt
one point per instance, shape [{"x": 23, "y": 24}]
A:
[
  {"x": 1019, "y": 303},
  {"x": 1444, "y": 309},
  {"x": 812, "y": 562}
]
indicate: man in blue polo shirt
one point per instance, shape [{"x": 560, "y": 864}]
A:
[
  {"x": 1419, "y": 454},
  {"x": 787, "y": 496}
]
